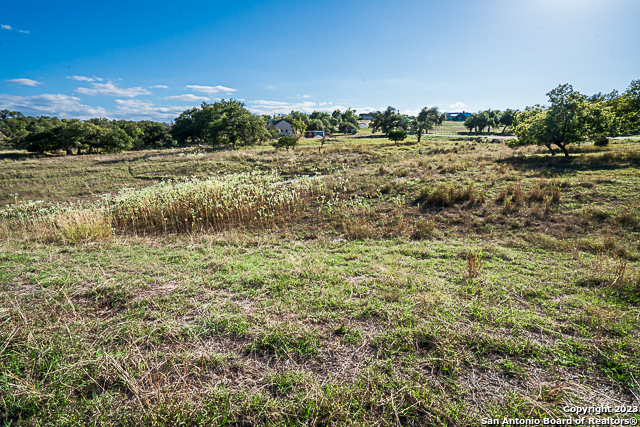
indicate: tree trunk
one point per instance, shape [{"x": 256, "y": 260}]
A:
[
  {"x": 69, "y": 152},
  {"x": 563, "y": 147},
  {"x": 553, "y": 153},
  {"x": 79, "y": 151},
  {"x": 504, "y": 128},
  {"x": 419, "y": 136}
]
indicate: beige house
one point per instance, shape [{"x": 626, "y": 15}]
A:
[{"x": 285, "y": 127}]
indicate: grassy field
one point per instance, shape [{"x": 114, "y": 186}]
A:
[{"x": 432, "y": 283}]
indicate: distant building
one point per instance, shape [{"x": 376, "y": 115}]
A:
[
  {"x": 366, "y": 116},
  {"x": 313, "y": 133},
  {"x": 285, "y": 127},
  {"x": 457, "y": 117}
]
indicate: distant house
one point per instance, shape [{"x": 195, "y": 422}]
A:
[
  {"x": 313, "y": 133},
  {"x": 457, "y": 117},
  {"x": 366, "y": 116},
  {"x": 285, "y": 127}
]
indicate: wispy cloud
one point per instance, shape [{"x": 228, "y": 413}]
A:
[
  {"x": 211, "y": 89},
  {"x": 280, "y": 107},
  {"x": 272, "y": 87},
  {"x": 51, "y": 104},
  {"x": 159, "y": 87},
  {"x": 113, "y": 90},
  {"x": 457, "y": 105},
  {"x": 304, "y": 96},
  {"x": 188, "y": 97},
  {"x": 85, "y": 79},
  {"x": 24, "y": 82},
  {"x": 10, "y": 28}
]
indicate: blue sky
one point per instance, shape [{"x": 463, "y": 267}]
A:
[{"x": 152, "y": 60}]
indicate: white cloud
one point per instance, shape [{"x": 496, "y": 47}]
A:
[
  {"x": 188, "y": 97},
  {"x": 272, "y": 87},
  {"x": 24, "y": 82},
  {"x": 211, "y": 89},
  {"x": 280, "y": 107},
  {"x": 10, "y": 28},
  {"x": 113, "y": 90},
  {"x": 365, "y": 110},
  {"x": 304, "y": 96},
  {"x": 82, "y": 78},
  {"x": 136, "y": 109},
  {"x": 51, "y": 104},
  {"x": 159, "y": 87},
  {"x": 458, "y": 105}
]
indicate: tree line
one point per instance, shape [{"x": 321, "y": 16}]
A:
[
  {"x": 572, "y": 118},
  {"x": 392, "y": 123},
  {"x": 488, "y": 119},
  {"x": 50, "y": 134}
]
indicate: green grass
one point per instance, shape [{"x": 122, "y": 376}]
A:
[{"x": 378, "y": 305}]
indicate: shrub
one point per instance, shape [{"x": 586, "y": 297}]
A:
[
  {"x": 425, "y": 229},
  {"x": 601, "y": 142},
  {"x": 285, "y": 142},
  {"x": 447, "y": 195},
  {"x": 397, "y": 135}
]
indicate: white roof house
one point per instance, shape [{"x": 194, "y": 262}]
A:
[{"x": 285, "y": 127}]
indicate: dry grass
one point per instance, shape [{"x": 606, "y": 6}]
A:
[{"x": 354, "y": 307}]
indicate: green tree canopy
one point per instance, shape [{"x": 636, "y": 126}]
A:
[
  {"x": 231, "y": 123},
  {"x": 387, "y": 120},
  {"x": 397, "y": 135},
  {"x": 427, "y": 119},
  {"x": 569, "y": 119},
  {"x": 221, "y": 123},
  {"x": 627, "y": 107}
]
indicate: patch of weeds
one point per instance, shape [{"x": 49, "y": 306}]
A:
[
  {"x": 617, "y": 365},
  {"x": 627, "y": 217},
  {"x": 348, "y": 335},
  {"x": 509, "y": 368},
  {"x": 449, "y": 194},
  {"x": 213, "y": 360},
  {"x": 402, "y": 172},
  {"x": 568, "y": 354},
  {"x": 386, "y": 189},
  {"x": 222, "y": 324},
  {"x": 383, "y": 171},
  {"x": 358, "y": 228},
  {"x": 409, "y": 340},
  {"x": 474, "y": 263},
  {"x": 488, "y": 344},
  {"x": 109, "y": 294},
  {"x": 285, "y": 383},
  {"x": 424, "y": 229},
  {"x": 282, "y": 340}
]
